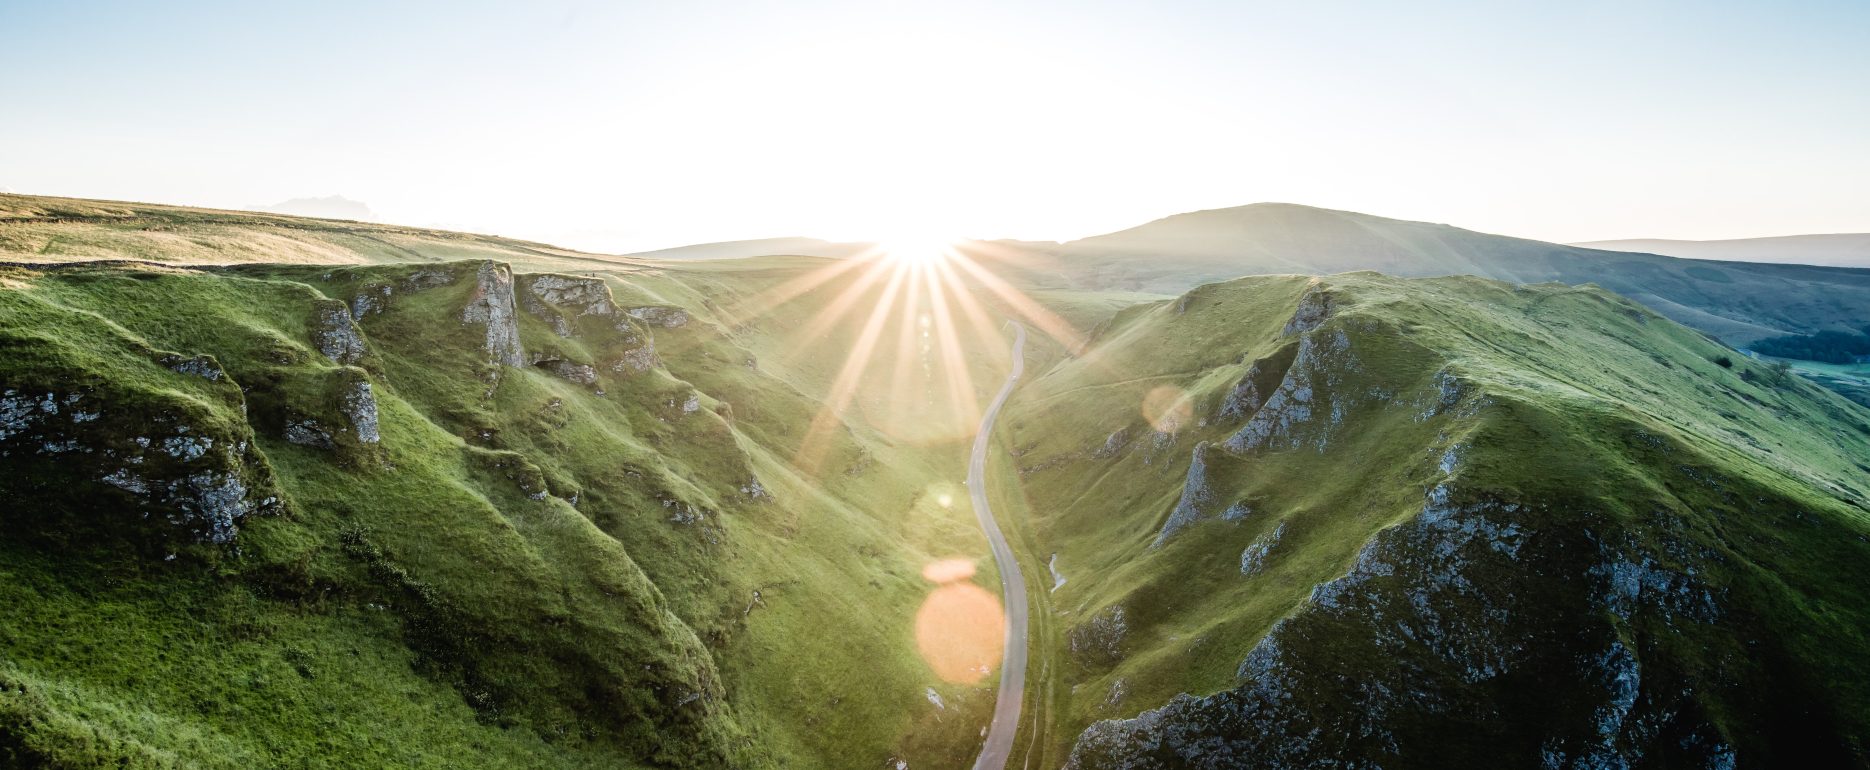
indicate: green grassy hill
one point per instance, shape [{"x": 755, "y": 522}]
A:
[
  {"x": 285, "y": 491},
  {"x": 1443, "y": 523},
  {"x": 1738, "y": 302},
  {"x": 446, "y": 514}
]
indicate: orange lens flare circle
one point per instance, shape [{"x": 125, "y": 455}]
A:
[
  {"x": 1167, "y": 408},
  {"x": 961, "y": 628}
]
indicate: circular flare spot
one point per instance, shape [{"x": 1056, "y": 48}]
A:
[
  {"x": 1167, "y": 409},
  {"x": 960, "y": 631}
]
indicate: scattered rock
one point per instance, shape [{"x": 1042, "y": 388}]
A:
[
  {"x": 308, "y": 432},
  {"x": 334, "y": 334},
  {"x": 371, "y": 299},
  {"x": 1099, "y": 641},
  {"x": 204, "y": 367},
  {"x": 636, "y": 360},
  {"x": 1113, "y": 444},
  {"x": 199, "y": 482},
  {"x": 665, "y": 316},
  {"x": 1253, "y": 559},
  {"x": 1118, "y": 690},
  {"x": 583, "y": 374},
  {"x": 1316, "y": 305}
]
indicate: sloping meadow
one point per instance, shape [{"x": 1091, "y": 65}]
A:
[
  {"x": 432, "y": 515},
  {"x": 1445, "y": 522}
]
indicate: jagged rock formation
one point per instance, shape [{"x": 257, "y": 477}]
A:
[
  {"x": 492, "y": 305},
  {"x": 1285, "y": 421},
  {"x": 166, "y": 460},
  {"x": 1261, "y": 380},
  {"x": 334, "y": 334},
  {"x": 1197, "y": 495},
  {"x": 1253, "y": 559},
  {"x": 1315, "y": 306}
]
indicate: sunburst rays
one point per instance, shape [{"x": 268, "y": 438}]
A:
[{"x": 918, "y": 320}]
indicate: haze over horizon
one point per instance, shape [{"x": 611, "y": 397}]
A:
[{"x": 1037, "y": 121}]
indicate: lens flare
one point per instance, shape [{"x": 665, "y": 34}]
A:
[
  {"x": 1168, "y": 409},
  {"x": 918, "y": 320},
  {"x": 961, "y": 626}
]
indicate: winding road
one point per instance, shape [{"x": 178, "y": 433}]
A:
[{"x": 1007, "y": 706}]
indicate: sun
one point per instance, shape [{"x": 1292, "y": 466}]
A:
[{"x": 917, "y": 251}]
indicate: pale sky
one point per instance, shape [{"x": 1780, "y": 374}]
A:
[{"x": 630, "y": 126}]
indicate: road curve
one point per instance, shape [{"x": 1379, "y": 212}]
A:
[{"x": 1012, "y": 695}]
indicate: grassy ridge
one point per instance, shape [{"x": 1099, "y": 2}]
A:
[
  {"x": 524, "y": 568},
  {"x": 1599, "y": 415}
]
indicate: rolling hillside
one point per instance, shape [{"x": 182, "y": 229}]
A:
[
  {"x": 1451, "y": 522},
  {"x": 1833, "y": 249},
  {"x": 1735, "y": 302},
  {"x": 288, "y": 488},
  {"x": 452, "y": 514}
]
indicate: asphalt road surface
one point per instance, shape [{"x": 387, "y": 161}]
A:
[{"x": 1006, "y": 707}]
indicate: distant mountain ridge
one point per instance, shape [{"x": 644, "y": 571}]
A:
[
  {"x": 798, "y": 246},
  {"x": 1829, "y": 249},
  {"x": 328, "y": 207},
  {"x": 1738, "y": 302}
]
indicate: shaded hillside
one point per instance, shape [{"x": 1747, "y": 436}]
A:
[
  {"x": 1736, "y": 302},
  {"x": 450, "y": 515},
  {"x": 1831, "y": 249},
  {"x": 1368, "y": 521}
]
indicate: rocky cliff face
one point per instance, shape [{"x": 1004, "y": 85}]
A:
[
  {"x": 584, "y": 308},
  {"x": 166, "y": 461},
  {"x": 491, "y": 305}
]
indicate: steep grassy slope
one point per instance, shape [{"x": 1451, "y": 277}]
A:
[
  {"x": 1738, "y": 302},
  {"x": 447, "y": 515},
  {"x": 1444, "y": 522}
]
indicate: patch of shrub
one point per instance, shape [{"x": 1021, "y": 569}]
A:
[{"x": 1828, "y": 346}]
